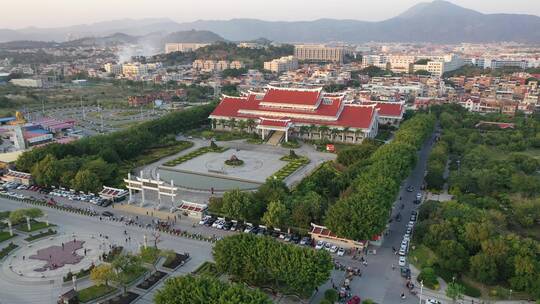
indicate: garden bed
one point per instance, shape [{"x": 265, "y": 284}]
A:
[
  {"x": 191, "y": 155},
  {"x": 173, "y": 263},
  {"x": 34, "y": 226},
  {"x": 5, "y": 251},
  {"x": 207, "y": 269},
  {"x": 94, "y": 292},
  {"x": 152, "y": 280},
  {"x": 290, "y": 168},
  {"x": 81, "y": 274},
  {"x": 127, "y": 298},
  {"x": 114, "y": 253},
  {"x": 4, "y": 236},
  {"x": 40, "y": 235}
]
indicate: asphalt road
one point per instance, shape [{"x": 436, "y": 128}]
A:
[{"x": 379, "y": 281}]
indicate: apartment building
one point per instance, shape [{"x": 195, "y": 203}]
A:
[
  {"x": 283, "y": 64},
  {"x": 183, "y": 47},
  {"x": 111, "y": 68},
  {"x": 213, "y": 65},
  {"x": 308, "y": 52},
  {"x": 134, "y": 69}
]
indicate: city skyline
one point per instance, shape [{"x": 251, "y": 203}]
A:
[{"x": 47, "y": 16}]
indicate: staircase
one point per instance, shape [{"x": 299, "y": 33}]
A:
[{"x": 276, "y": 138}]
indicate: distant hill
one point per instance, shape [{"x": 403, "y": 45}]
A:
[
  {"x": 193, "y": 36},
  {"x": 438, "y": 21}
]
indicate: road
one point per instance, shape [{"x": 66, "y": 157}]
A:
[{"x": 379, "y": 281}]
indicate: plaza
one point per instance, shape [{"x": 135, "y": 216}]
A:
[
  {"x": 50, "y": 259},
  {"x": 209, "y": 171}
]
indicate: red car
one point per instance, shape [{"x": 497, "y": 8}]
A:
[{"x": 354, "y": 300}]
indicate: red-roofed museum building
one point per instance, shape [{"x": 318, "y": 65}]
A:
[{"x": 279, "y": 113}]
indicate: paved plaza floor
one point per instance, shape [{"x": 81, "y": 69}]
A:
[
  {"x": 46, "y": 260},
  {"x": 258, "y": 165}
]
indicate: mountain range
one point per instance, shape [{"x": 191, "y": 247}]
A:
[{"x": 438, "y": 22}]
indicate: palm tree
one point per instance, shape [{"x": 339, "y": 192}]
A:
[
  {"x": 251, "y": 124},
  {"x": 357, "y": 133},
  {"x": 312, "y": 128},
  {"x": 322, "y": 131},
  {"x": 345, "y": 131},
  {"x": 222, "y": 123},
  {"x": 333, "y": 133},
  {"x": 242, "y": 124},
  {"x": 232, "y": 123},
  {"x": 304, "y": 130}
]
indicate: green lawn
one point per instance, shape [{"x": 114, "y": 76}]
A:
[
  {"x": 4, "y": 235},
  {"x": 94, "y": 292},
  {"x": 34, "y": 225}
]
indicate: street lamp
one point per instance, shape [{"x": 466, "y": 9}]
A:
[{"x": 421, "y": 290}]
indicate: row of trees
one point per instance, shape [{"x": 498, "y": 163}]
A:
[
  {"x": 364, "y": 212},
  {"x": 202, "y": 290},
  {"x": 263, "y": 261},
  {"x": 436, "y": 166},
  {"x": 89, "y": 163}
]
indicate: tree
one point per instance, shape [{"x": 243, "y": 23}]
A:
[
  {"x": 46, "y": 172},
  {"x": 452, "y": 256},
  {"x": 86, "y": 180},
  {"x": 263, "y": 261},
  {"x": 331, "y": 295},
  {"x": 277, "y": 215},
  {"x": 455, "y": 291},
  {"x": 348, "y": 156},
  {"x": 124, "y": 266},
  {"x": 237, "y": 204},
  {"x": 202, "y": 290},
  {"x": 102, "y": 274},
  {"x": 19, "y": 215}
]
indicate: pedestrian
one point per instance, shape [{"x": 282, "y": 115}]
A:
[
  {"x": 316, "y": 289},
  {"x": 129, "y": 238},
  {"x": 23, "y": 257},
  {"x": 62, "y": 246},
  {"x": 146, "y": 212},
  {"x": 393, "y": 267}
]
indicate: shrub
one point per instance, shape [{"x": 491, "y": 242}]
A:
[
  {"x": 331, "y": 295},
  {"x": 428, "y": 276}
]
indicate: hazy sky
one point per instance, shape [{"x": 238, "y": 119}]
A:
[{"x": 52, "y": 13}]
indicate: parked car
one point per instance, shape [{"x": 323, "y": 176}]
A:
[
  {"x": 305, "y": 241},
  {"x": 413, "y": 218},
  {"x": 327, "y": 246},
  {"x": 402, "y": 261},
  {"x": 204, "y": 219},
  {"x": 433, "y": 301},
  {"x": 295, "y": 239},
  {"x": 319, "y": 245},
  {"x": 354, "y": 300},
  {"x": 410, "y": 189},
  {"x": 414, "y": 212},
  {"x": 107, "y": 213},
  {"x": 418, "y": 196},
  {"x": 333, "y": 249},
  {"x": 341, "y": 251}
]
